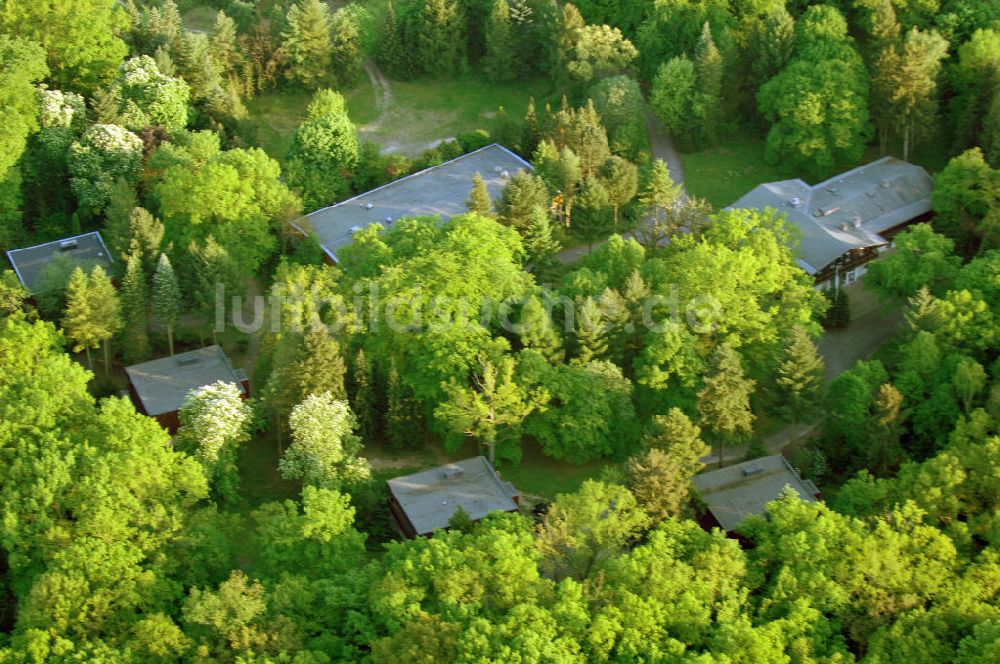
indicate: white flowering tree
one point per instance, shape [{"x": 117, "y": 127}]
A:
[
  {"x": 215, "y": 421},
  {"x": 103, "y": 154},
  {"x": 324, "y": 448},
  {"x": 147, "y": 97}
]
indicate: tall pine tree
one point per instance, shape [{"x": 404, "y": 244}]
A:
[
  {"x": 724, "y": 401},
  {"x": 800, "y": 376},
  {"x": 479, "y": 200},
  {"x": 500, "y": 52},
  {"x": 166, "y": 298},
  {"x": 135, "y": 312}
]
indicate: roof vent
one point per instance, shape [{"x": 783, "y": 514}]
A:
[
  {"x": 750, "y": 471},
  {"x": 388, "y": 220},
  {"x": 845, "y": 227},
  {"x": 369, "y": 206},
  {"x": 872, "y": 194},
  {"x": 355, "y": 229},
  {"x": 505, "y": 174},
  {"x": 833, "y": 190},
  {"x": 452, "y": 473},
  {"x": 68, "y": 245},
  {"x": 186, "y": 361},
  {"x": 794, "y": 201},
  {"x": 856, "y": 221},
  {"x": 498, "y": 169},
  {"x": 884, "y": 184}
]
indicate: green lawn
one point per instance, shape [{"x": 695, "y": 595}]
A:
[
  {"x": 721, "y": 175},
  {"x": 274, "y": 116},
  {"x": 420, "y": 114},
  {"x": 200, "y": 18},
  {"x": 426, "y": 111}
]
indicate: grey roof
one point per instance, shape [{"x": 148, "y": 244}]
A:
[
  {"x": 163, "y": 384},
  {"x": 440, "y": 190},
  {"x": 735, "y": 492},
  {"x": 848, "y": 211},
  {"x": 84, "y": 250},
  {"x": 429, "y": 498}
]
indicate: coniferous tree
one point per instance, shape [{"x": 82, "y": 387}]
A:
[
  {"x": 79, "y": 321},
  {"x": 117, "y": 230},
  {"x": 441, "y": 38},
  {"x": 591, "y": 335},
  {"x": 135, "y": 312},
  {"x": 771, "y": 45},
  {"x": 709, "y": 65},
  {"x": 530, "y": 132},
  {"x": 540, "y": 245},
  {"x": 107, "y": 309},
  {"x": 391, "y": 56},
  {"x": 364, "y": 403},
  {"x": 538, "y": 331},
  {"x": 321, "y": 368},
  {"x": 307, "y": 42},
  {"x": 479, "y": 200},
  {"x": 194, "y": 62},
  {"x": 724, "y": 401},
  {"x": 402, "y": 419},
  {"x": 520, "y": 197},
  {"x": 166, "y": 297},
  {"x": 347, "y": 57},
  {"x": 661, "y": 478},
  {"x": 620, "y": 178},
  {"x": 145, "y": 238},
  {"x": 211, "y": 269},
  {"x": 500, "y": 53},
  {"x": 592, "y": 220},
  {"x": 223, "y": 47},
  {"x": 800, "y": 376}
]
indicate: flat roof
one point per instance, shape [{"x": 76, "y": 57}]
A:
[
  {"x": 85, "y": 250},
  {"x": 735, "y": 492},
  {"x": 164, "y": 383},
  {"x": 848, "y": 211},
  {"x": 430, "y": 497},
  {"x": 439, "y": 190}
]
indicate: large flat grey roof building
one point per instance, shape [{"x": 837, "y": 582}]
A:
[
  {"x": 160, "y": 386},
  {"x": 849, "y": 212},
  {"x": 440, "y": 190},
  {"x": 735, "y": 492},
  {"x": 85, "y": 250},
  {"x": 424, "y": 502}
]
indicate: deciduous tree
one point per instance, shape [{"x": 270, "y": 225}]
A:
[{"x": 324, "y": 449}]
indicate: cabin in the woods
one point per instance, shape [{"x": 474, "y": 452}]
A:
[
  {"x": 424, "y": 502},
  {"x": 733, "y": 493},
  {"x": 437, "y": 191},
  {"x": 33, "y": 265},
  {"x": 846, "y": 221},
  {"x": 159, "y": 387}
]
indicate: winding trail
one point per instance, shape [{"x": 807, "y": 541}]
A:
[{"x": 661, "y": 144}]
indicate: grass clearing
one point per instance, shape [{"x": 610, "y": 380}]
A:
[
  {"x": 424, "y": 112},
  {"x": 199, "y": 19},
  {"x": 274, "y": 117}
]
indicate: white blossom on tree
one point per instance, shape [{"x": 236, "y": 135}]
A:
[
  {"x": 324, "y": 448},
  {"x": 214, "y": 418},
  {"x": 103, "y": 154}
]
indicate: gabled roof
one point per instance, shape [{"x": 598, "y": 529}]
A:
[
  {"x": 429, "y": 498},
  {"x": 439, "y": 190},
  {"x": 84, "y": 250},
  {"x": 735, "y": 492},
  {"x": 164, "y": 383},
  {"x": 848, "y": 211}
]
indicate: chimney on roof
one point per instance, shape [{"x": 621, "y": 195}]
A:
[
  {"x": 452, "y": 473},
  {"x": 68, "y": 245},
  {"x": 750, "y": 471}
]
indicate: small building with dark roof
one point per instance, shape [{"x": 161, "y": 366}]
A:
[
  {"x": 846, "y": 221},
  {"x": 436, "y": 191},
  {"x": 733, "y": 493},
  {"x": 424, "y": 502},
  {"x": 159, "y": 387},
  {"x": 85, "y": 251}
]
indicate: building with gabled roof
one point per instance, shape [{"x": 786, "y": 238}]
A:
[
  {"x": 847, "y": 220},
  {"x": 733, "y": 493},
  {"x": 424, "y": 502},
  {"x": 159, "y": 387},
  {"x": 85, "y": 251},
  {"x": 436, "y": 191}
]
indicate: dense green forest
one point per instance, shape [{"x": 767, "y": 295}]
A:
[{"x": 260, "y": 531}]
